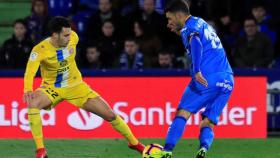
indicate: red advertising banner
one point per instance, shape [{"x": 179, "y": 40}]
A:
[{"x": 148, "y": 104}]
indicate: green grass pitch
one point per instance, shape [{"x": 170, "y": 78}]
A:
[{"x": 117, "y": 148}]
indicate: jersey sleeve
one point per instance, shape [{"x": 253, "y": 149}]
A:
[
  {"x": 196, "y": 49},
  {"x": 74, "y": 37},
  {"x": 33, "y": 64},
  {"x": 195, "y": 27},
  {"x": 193, "y": 31}
]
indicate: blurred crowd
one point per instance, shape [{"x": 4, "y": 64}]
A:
[{"x": 132, "y": 34}]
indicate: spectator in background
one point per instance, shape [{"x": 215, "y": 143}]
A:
[
  {"x": 159, "y": 5},
  {"x": 92, "y": 57},
  {"x": 125, "y": 6},
  {"x": 105, "y": 12},
  {"x": 165, "y": 60},
  {"x": 264, "y": 21},
  {"x": 152, "y": 20},
  {"x": 228, "y": 30},
  {"x": 131, "y": 58},
  {"x": 37, "y": 22},
  {"x": 254, "y": 49},
  {"x": 108, "y": 45},
  {"x": 61, "y": 7},
  {"x": 152, "y": 24},
  {"x": 148, "y": 45},
  {"x": 89, "y": 4},
  {"x": 15, "y": 51}
]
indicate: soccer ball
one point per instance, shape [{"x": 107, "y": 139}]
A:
[{"x": 151, "y": 149}]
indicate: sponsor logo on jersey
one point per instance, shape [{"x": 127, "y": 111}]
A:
[
  {"x": 63, "y": 63},
  {"x": 63, "y": 69}
]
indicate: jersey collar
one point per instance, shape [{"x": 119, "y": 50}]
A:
[{"x": 187, "y": 18}]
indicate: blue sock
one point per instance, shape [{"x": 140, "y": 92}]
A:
[
  {"x": 206, "y": 137},
  {"x": 175, "y": 132}
]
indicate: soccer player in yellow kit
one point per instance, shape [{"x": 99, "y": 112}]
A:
[{"x": 61, "y": 80}]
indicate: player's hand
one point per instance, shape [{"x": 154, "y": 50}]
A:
[
  {"x": 28, "y": 96},
  {"x": 201, "y": 79}
]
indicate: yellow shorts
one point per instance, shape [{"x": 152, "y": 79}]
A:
[{"x": 76, "y": 95}]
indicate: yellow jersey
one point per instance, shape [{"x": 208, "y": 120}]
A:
[{"x": 58, "y": 66}]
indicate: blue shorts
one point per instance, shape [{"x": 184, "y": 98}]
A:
[{"x": 213, "y": 98}]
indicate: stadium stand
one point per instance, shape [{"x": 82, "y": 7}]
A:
[{"x": 10, "y": 10}]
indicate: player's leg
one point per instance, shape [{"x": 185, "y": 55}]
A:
[
  {"x": 45, "y": 98},
  {"x": 176, "y": 129},
  {"x": 215, "y": 105},
  {"x": 40, "y": 101},
  {"x": 84, "y": 97},
  {"x": 174, "y": 133},
  {"x": 210, "y": 118},
  {"x": 190, "y": 103},
  {"x": 101, "y": 108},
  {"x": 206, "y": 137}
]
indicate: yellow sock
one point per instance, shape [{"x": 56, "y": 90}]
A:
[
  {"x": 35, "y": 123},
  {"x": 120, "y": 126}
]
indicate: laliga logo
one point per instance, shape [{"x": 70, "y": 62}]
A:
[
  {"x": 83, "y": 120},
  {"x": 18, "y": 117}
]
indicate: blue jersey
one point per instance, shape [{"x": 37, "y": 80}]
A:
[{"x": 213, "y": 59}]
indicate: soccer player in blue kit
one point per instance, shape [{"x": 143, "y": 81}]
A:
[{"x": 212, "y": 78}]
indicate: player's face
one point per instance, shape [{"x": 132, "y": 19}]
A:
[
  {"x": 173, "y": 22},
  {"x": 64, "y": 37}
]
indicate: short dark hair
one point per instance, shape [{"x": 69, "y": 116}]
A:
[
  {"x": 93, "y": 45},
  {"x": 19, "y": 21},
  {"x": 131, "y": 39},
  {"x": 57, "y": 23},
  {"x": 250, "y": 17},
  {"x": 165, "y": 52},
  {"x": 109, "y": 21},
  {"x": 259, "y": 4},
  {"x": 177, "y": 6}
]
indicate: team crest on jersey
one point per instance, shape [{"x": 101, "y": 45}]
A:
[
  {"x": 63, "y": 63},
  {"x": 71, "y": 51},
  {"x": 33, "y": 56}
]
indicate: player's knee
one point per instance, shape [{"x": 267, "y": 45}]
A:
[
  {"x": 111, "y": 116},
  {"x": 35, "y": 103},
  {"x": 183, "y": 113},
  {"x": 206, "y": 123}
]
